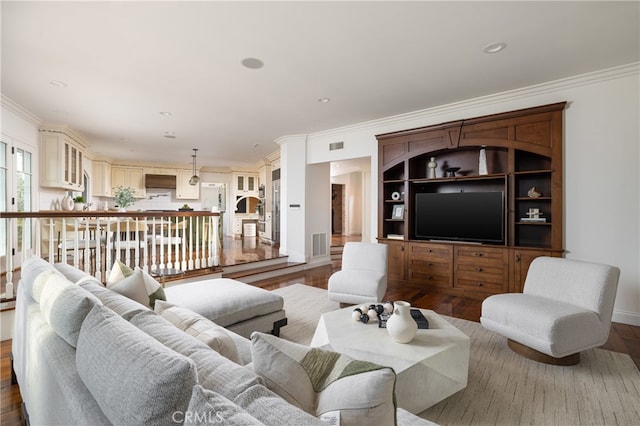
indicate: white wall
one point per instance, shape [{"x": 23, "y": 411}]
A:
[
  {"x": 601, "y": 162},
  {"x": 293, "y": 189},
  {"x": 318, "y": 208}
]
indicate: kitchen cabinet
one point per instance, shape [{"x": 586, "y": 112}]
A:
[
  {"x": 101, "y": 179},
  {"x": 61, "y": 159},
  {"x": 185, "y": 191},
  {"x": 129, "y": 176},
  {"x": 246, "y": 184}
]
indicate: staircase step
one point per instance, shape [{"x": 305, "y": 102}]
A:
[
  {"x": 336, "y": 252},
  {"x": 263, "y": 272}
]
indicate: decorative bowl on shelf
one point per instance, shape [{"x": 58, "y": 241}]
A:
[{"x": 451, "y": 171}]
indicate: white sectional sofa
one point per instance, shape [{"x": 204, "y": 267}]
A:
[{"x": 83, "y": 354}]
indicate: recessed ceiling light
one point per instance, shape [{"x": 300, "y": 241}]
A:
[
  {"x": 165, "y": 113},
  {"x": 257, "y": 145},
  {"x": 252, "y": 63},
  {"x": 58, "y": 83},
  {"x": 324, "y": 100},
  {"x": 169, "y": 135},
  {"x": 494, "y": 47},
  {"x": 124, "y": 139}
]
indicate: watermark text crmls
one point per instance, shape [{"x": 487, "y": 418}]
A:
[{"x": 194, "y": 417}]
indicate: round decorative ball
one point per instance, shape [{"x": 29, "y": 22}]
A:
[
  {"x": 372, "y": 314},
  {"x": 355, "y": 315},
  {"x": 358, "y": 310},
  {"x": 364, "y": 318},
  {"x": 379, "y": 309},
  {"x": 388, "y": 307}
]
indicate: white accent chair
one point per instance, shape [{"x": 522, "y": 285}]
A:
[
  {"x": 363, "y": 277},
  {"x": 565, "y": 308}
]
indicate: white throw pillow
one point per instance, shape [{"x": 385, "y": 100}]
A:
[
  {"x": 205, "y": 330},
  {"x": 119, "y": 272},
  {"x": 320, "y": 381},
  {"x": 141, "y": 287}
]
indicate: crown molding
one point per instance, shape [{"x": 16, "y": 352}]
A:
[
  {"x": 10, "y": 105},
  {"x": 401, "y": 120}
]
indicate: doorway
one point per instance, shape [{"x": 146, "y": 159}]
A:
[{"x": 337, "y": 209}]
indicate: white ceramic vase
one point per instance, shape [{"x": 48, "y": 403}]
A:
[
  {"x": 400, "y": 326},
  {"x": 66, "y": 203}
]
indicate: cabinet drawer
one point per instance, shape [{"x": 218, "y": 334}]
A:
[
  {"x": 485, "y": 283},
  {"x": 480, "y": 269},
  {"x": 482, "y": 256},
  {"x": 430, "y": 277},
  {"x": 430, "y": 251},
  {"x": 434, "y": 266}
]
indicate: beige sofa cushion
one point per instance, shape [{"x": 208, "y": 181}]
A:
[
  {"x": 208, "y": 332},
  {"x": 208, "y": 407}
]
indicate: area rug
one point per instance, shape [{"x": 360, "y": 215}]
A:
[{"x": 505, "y": 388}]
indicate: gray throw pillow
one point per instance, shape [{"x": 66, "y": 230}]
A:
[
  {"x": 134, "y": 378},
  {"x": 64, "y": 306}
]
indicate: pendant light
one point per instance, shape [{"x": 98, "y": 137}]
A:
[{"x": 194, "y": 179}]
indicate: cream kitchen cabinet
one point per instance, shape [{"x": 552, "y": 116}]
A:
[
  {"x": 101, "y": 179},
  {"x": 129, "y": 176},
  {"x": 61, "y": 159},
  {"x": 246, "y": 184},
  {"x": 184, "y": 191}
]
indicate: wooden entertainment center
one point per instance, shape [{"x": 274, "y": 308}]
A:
[{"x": 523, "y": 151}]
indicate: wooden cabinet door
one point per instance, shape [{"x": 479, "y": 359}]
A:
[
  {"x": 521, "y": 260},
  {"x": 396, "y": 260}
]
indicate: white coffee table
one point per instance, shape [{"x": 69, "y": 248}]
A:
[{"x": 432, "y": 367}]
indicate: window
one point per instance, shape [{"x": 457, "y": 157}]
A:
[{"x": 16, "y": 194}]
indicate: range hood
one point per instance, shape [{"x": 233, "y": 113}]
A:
[{"x": 160, "y": 181}]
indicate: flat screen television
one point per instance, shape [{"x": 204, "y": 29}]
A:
[{"x": 460, "y": 216}]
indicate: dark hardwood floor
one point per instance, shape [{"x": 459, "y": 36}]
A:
[{"x": 623, "y": 338}]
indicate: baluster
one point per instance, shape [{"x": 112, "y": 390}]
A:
[
  {"x": 143, "y": 245},
  {"x": 97, "y": 260},
  {"x": 190, "y": 243},
  {"x": 204, "y": 251},
  {"x": 216, "y": 239},
  {"x": 183, "y": 240}
]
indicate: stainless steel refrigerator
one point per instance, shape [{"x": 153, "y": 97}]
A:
[{"x": 275, "y": 199}]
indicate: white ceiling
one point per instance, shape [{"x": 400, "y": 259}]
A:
[{"x": 125, "y": 62}]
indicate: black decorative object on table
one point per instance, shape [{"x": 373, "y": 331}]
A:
[{"x": 418, "y": 317}]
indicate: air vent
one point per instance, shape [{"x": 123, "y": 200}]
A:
[
  {"x": 319, "y": 245},
  {"x": 336, "y": 145}
]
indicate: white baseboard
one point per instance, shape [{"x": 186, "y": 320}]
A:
[{"x": 631, "y": 318}]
